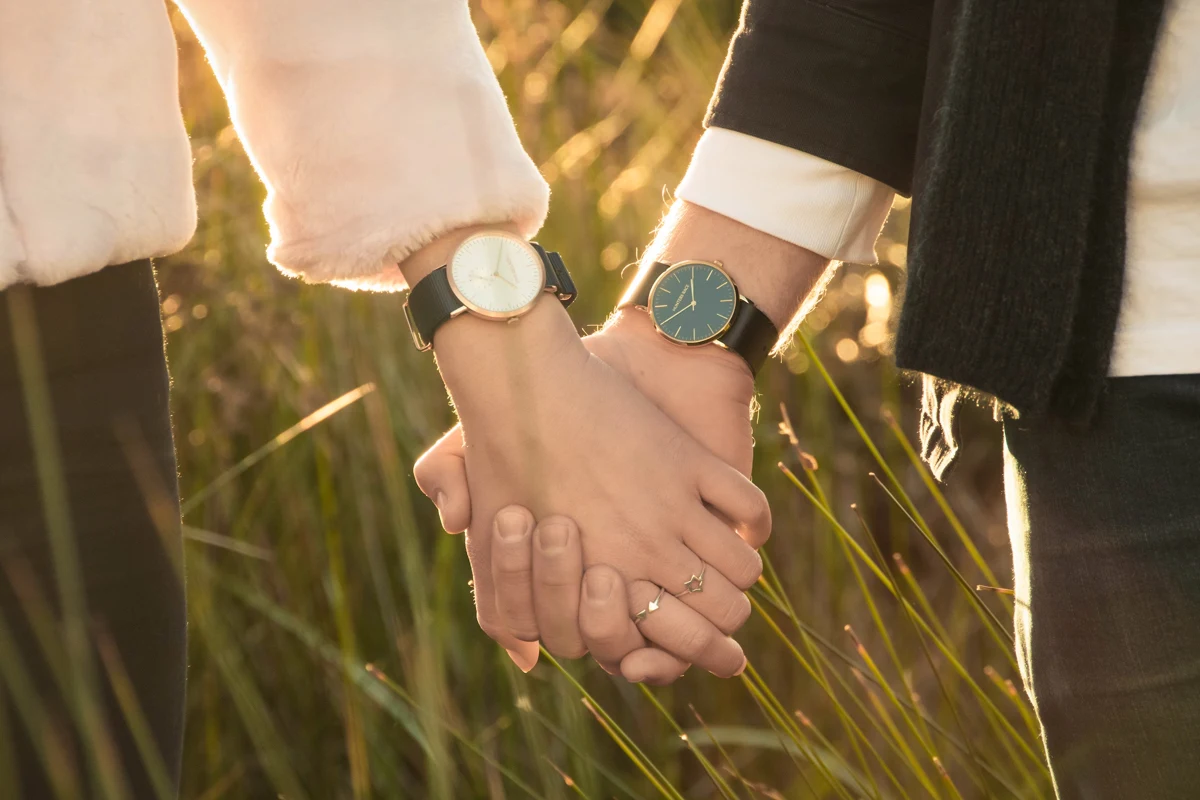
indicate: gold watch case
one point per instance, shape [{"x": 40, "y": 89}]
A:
[
  {"x": 675, "y": 267},
  {"x": 486, "y": 313}
]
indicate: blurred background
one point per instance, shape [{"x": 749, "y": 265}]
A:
[{"x": 334, "y": 650}]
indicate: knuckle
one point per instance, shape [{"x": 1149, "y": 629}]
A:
[
  {"x": 566, "y": 649},
  {"x": 558, "y": 582},
  {"x": 424, "y": 472},
  {"x": 513, "y": 570},
  {"x": 735, "y": 614},
  {"x": 517, "y": 623},
  {"x": 525, "y": 633},
  {"x": 492, "y": 628},
  {"x": 750, "y": 570},
  {"x": 694, "y": 640},
  {"x": 556, "y": 519},
  {"x": 761, "y": 508},
  {"x": 602, "y": 629},
  {"x": 675, "y": 446}
]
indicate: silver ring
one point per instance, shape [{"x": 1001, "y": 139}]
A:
[
  {"x": 651, "y": 608},
  {"x": 695, "y": 583}
]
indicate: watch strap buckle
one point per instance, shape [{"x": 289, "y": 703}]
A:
[
  {"x": 418, "y": 340},
  {"x": 558, "y": 279}
]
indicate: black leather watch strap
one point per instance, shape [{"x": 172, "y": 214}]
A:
[
  {"x": 558, "y": 279},
  {"x": 645, "y": 282},
  {"x": 432, "y": 302},
  {"x": 751, "y": 334}
]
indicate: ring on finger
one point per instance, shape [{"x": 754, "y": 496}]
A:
[
  {"x": 651, "y": 607},
  {"x": 695, "y": 583}
]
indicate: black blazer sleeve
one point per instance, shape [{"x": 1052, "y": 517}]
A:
[{"x": 842, "y": 80}]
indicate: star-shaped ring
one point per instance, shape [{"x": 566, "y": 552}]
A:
[{"x": 695, "y": 583}]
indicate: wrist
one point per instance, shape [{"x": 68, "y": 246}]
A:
[
  {"x": 495, "y": 363},
  {"x": 477, "y": 355},
  {"x": 437, "y": 253},
  {"x": 776, "y": 275},
  {"x": 630, "y": 337}
]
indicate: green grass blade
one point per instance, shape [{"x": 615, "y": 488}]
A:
[
  {"x": 308, "y": 423},
  {"x": 623, "y": 739},
  {"x": 104, "y": 765},
  {"x": 940, "y": 498},
  {"x": 718, "y": 781}
]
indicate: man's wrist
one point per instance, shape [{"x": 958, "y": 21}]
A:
[{"x": 774, "y": 274}]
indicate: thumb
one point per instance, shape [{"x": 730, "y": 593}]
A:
[{"x": 441, "y": 475}]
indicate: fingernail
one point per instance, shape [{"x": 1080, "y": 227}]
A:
[
  {"x": 512, "y": 525},
  {"x": 745, "y": 662},
  {"x": 524, "y": 664},
  {"x": 598, "y": 586},
  {"x": 439, "y": 500},
  {"x": 553, "y": 537}
]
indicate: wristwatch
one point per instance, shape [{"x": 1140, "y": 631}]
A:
[
  {"x": 494, "y": 274},
  {"x": 696, "y": 302}
]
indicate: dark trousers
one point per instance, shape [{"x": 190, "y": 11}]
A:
[
  {"x": 1105, "y": 528},
  {"x": 99, "y": 342}
]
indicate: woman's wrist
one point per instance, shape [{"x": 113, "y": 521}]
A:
[
  {"x": 492, "y": 364},
  {"x": 438, "y": 252},
  {"x": 478, "y": 357}
]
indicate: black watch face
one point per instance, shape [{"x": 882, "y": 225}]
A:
[{"x": 693, "y": 302}]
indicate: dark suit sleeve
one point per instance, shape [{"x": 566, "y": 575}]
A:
[{"x": 841, "y": 80}]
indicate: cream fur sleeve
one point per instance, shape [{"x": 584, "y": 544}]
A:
[
  {"x": 375, "y": 124},
  {"x": 95, "y": 167}
]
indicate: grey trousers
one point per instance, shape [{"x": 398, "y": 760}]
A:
[{"x": 1105, "y": 528}]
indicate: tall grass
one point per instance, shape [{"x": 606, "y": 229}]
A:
[{"x": 334, "y": 652}]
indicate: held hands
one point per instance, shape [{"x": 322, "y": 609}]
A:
[
  {"x": 632, "y": 437},
  {"x": 643, "y": 443}
]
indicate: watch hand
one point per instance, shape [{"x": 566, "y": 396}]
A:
[
  {"x": 499, "y": 256},
  {"x": 688, "y": 307},
  {"x": 693, "y": 284}
]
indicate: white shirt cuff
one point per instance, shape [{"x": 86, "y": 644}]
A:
[{"x": 816, "y": 204}]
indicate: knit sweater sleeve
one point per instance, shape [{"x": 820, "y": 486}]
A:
[
  {"x": 376, "y": 125},
  {"x": 842, "y": 81}
]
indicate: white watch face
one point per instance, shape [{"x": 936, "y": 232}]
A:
[{"x": 496, "y": 275}]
